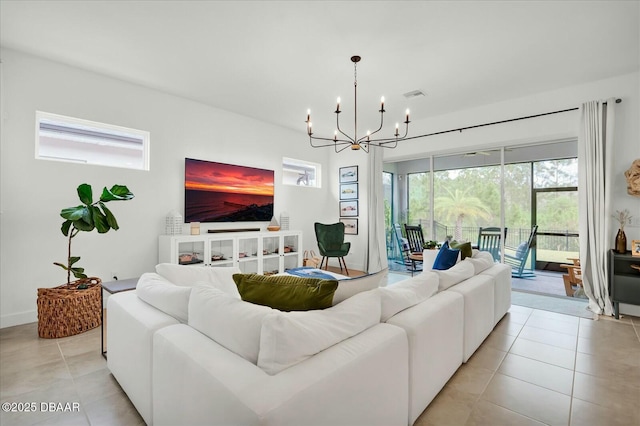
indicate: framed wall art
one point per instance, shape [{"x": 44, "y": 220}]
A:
[
  {"x": 350, "y": 226},
  {"x": 348, "y": 208},
  {"x": 349, "y": 191},
  {"x": 348, "y": 174},
  {"x": 635, "y": 248}
]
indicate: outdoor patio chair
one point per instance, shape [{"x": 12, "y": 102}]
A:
[
  {"x": 573, "y": 278},
  {"x": 489, "y": 240},
  {"x": 415, "y": 237},
  {"x": 405, "y": 251},
  {"x": 519, "y": 260}
]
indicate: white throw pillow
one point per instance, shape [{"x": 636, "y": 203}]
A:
[
  {"x": 220, "y": 277},
  {"x": 404, "y": 294},
  {"x": 228, "y": 320},
  {"x": 288, "y": 338},
  {"x": 428, "y": 257},
  {"x": 454, "y": 275},
  {"x": 481, "y": 261},
  {"x": 164, "y": 295},
  {"x": 350, "y": 287}
]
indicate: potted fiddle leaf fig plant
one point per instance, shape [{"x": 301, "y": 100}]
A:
[
  {"x": 86, "y": 217},
  {"x": 76, "y": 307}
]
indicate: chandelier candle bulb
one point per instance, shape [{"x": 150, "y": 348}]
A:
[
  {"x": 382, "y": 104},
  {"x": 407, "y": 116},
  {"x": 338, "y": 106}
]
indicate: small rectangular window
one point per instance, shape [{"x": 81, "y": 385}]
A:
[
  {"x": 301, "y": 173},
  {"x": 74, "y": 140}
]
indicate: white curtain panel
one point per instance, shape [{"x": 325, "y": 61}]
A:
[
  {"x": 595, "y": 151},
  {"x": 377, "y": 247}
]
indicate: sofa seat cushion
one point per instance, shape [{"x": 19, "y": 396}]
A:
[
  {"x": 454, "y": 275},
  {"x": 286, "y": 293},
  {"x": 169, "y": 298},
  {"x": 189, "y": 276},
  {"x": 404, "y": 294},
  {"x": 229, "y": 321},
  {"x": 287, "y": 338}
]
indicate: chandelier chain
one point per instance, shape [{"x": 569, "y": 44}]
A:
[{"x": 355, "y": 73}]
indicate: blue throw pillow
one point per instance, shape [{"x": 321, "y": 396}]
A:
[{"x": 446, "y": 257}]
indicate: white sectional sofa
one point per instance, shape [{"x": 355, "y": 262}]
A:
[{"x": 188, "y": 352}]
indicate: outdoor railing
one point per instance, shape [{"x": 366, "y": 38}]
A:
[{"x": 555, "y": 244}]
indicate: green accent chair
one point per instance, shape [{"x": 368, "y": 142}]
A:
[{"x": 331, "y": 243}]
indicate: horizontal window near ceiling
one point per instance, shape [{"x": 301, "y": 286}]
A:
[
  {"x": 300, "y": 173},
  {"x": 74, "y": 140}
]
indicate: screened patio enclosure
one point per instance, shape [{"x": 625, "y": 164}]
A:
[{"x": 512, "y": 188}]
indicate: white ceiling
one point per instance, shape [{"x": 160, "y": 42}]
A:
[{"x": 273, "y": 60}]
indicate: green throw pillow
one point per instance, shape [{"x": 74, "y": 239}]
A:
[
  {"x": 465, "y": 249},
  {"x": 286, "y": 293}
]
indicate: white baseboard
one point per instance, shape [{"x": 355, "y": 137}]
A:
[{"x": 18, "y": 319}]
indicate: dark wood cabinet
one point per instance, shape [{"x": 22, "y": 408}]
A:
[{"x": 624, "y": 281}]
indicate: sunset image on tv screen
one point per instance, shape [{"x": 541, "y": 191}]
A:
[{"x": 218, "y": 192}]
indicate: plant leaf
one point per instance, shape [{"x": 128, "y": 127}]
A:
[
  {"x": 111, "y": 219},
  {"x": 82, "y": 225},
  {"x": 66, "y": 225},
  {"x": 78, "y": 273},
  {"x": 116, "y": 193},
  {"x": 99, "y": 220},
  {"x": 61, "y": 265},
  {"x": 85, "y": 193},
  {"x": 73, "y": 259},
  {"x": 73, "y": 213}
]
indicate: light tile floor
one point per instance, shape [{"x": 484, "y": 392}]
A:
[
  {"x": 536, "y": 367},
  {"x": 544, "y": 368}
]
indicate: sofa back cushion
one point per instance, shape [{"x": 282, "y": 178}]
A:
[
  {"x": 164, "y": 295},
  {"x": 285, "y": 292},
  {"x": 454, "y": 275},
  {"x": 226, "y": 319},
  {"x": 481, "y": 261},
  {"x": 404, "y": 294},
  {"x": 219, "y": 277},
  {"x": 352, "y": 286},
  {"x": 288, "y": 338}
]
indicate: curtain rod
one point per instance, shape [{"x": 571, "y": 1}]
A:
[{"x": 499, "y": 122}]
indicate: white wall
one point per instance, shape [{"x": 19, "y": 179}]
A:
[{"x": 34, "y": 191}]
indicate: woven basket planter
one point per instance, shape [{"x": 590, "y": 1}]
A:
[{"x": 64, "y": 311}]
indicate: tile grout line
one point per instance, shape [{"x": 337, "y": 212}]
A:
[{"x": 73, "y": 380}]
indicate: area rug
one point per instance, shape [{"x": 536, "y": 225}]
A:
[{"x": 561, "y": 305}]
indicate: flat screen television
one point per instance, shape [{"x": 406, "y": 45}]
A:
[{"x": 218, "y": 192}]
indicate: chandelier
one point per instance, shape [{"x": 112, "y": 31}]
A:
[{"x": 342, "y": 141}]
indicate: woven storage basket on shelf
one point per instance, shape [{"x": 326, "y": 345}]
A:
[{"x": 64, "y": 311}]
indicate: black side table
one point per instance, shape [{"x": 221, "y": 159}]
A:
[{"x": 113, "y": 287}]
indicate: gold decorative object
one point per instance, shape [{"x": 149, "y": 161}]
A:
[{"x": 633, "y": 178}]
